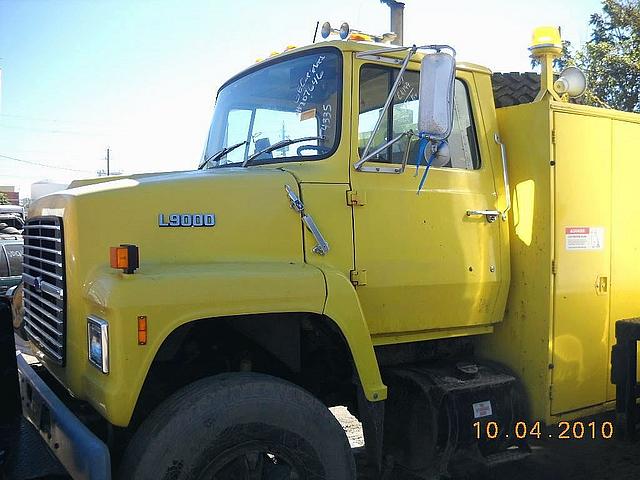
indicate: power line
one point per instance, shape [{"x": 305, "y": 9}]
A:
[
  {"x": 32, "y": 177},
  {"x": 52, "y": 120},
  {"x": 44, "y": 164},
  {"x": 49, "y": 130},
  {"x": 47, "y": 153}
]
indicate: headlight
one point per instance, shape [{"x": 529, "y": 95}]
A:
[{"x": 98, "y": 342}]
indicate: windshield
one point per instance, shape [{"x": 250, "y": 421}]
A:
[{"x": 292, "y": 99}]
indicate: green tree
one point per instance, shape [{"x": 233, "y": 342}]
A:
[
  {"x": 4, "y": 200},
  {"x": 611, "y": 57}
]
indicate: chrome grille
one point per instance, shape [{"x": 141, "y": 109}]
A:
[{"x": 44, "y": 285}]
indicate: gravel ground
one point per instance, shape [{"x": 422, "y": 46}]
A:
[{"x": 551, "y": 459}]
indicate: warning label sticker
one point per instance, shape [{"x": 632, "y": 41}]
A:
[
  {"x": 482, "y": 409},
  {"x": 584, "y": 238}
]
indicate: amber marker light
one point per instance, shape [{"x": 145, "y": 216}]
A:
[
  {"x": 142, "y": 330},
  {"x": 125, "y": 258}
]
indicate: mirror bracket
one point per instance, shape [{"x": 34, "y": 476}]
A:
[
  {"x": 359, "y": 164},
  {"x": 409, "y": 134}
]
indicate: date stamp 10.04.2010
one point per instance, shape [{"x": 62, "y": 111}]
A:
[{"x": 565, "y": 430}]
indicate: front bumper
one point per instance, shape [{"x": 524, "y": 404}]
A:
[{"x": 81, "y": 452}]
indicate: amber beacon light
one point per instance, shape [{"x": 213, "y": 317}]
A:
[{"x": 125, "y": 258}]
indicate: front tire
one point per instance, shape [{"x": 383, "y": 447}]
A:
[{"x": 240, "y": 426}]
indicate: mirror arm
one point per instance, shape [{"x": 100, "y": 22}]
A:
[
  {"x": 383, "y": 112},
  {"x": 437, "y": 47},
  {"x": 379, "y": 51},
  {"x": 505, "y": 176},
  {"x": 369, "y": 156},
  {"x": 405, "y": 160}
]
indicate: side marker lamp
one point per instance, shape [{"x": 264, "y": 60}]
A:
[
  {"x": 142, "y": 330},
  {"x": 125, "y": 257}
]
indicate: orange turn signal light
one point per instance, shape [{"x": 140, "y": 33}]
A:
[
  {"x": 142, "y": 330},
  {"x": 125, "y": 258}
]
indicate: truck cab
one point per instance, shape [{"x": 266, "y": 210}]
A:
[{"x": 378, "y": 242}]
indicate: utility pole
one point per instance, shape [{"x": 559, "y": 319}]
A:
[{"x": 107, "y": 172}]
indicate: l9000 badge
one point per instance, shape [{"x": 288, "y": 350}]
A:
[{"x": 187, "y": 220}]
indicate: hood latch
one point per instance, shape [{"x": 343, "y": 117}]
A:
[{"x": 322, "y": 247}]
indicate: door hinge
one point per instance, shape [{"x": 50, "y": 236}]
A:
[
  {"x": 358, "y": 277},
  {"x": 356, "y": 199},
  {"x": 551, "y": 391},
  {"x": 554, "y": 267},
  {"x": 553, "y": 137}
]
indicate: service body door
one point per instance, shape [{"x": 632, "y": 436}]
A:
[
  {"x": 427, "y": 265},
  {"x": 582, "y": 257}
]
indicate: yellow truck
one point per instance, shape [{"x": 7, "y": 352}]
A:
[{"x": 365, "y": 229}]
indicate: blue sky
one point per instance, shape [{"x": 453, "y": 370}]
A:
[{"x": 140, "y": 76}]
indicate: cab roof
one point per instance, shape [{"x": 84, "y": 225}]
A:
[{"x": 356, "y": 47}]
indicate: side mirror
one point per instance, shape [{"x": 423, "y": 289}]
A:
[{"x": 435, "y": 110}]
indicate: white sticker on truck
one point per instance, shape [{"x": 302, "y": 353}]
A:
[
  {"x": 584, "y": 238},
  {"x": 482, "y": 409}
]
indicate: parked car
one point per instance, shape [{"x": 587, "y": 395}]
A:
[
  {"x": 11, "y": 248},
  {"x": 11, "y": 223}
]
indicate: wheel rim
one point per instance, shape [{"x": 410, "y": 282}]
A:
[{"x": 254, "y": 461}]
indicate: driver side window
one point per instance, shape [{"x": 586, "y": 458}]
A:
[{"x": 376, "y": 83}]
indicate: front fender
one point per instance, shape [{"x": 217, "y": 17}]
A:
[
  {"x": 343, "y": 307},
  {"x": 171, "y": 296},
  {"x": 174, "y": 295}
]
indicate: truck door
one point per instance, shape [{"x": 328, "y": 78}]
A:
[
  {"x": 583, "y": 262},
  {"x": 422, "y": 264}
]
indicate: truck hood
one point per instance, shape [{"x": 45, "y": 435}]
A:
[
  {"x": 253, "y": 218},
  {"x": 254, "y": 230}
]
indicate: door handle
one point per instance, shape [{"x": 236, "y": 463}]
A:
[
  {"x": 602, "y": 285},
  {"x": 490, "y": 215}
]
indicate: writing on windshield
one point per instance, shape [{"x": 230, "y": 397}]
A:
[{"x": 294, "y": 98}]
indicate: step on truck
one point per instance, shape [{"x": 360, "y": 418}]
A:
[{"x": 366, "y": 229}]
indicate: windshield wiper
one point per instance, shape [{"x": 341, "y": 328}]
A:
[
  {"x": 277, "y": 145},
  {"x": 220, "y": 153}
]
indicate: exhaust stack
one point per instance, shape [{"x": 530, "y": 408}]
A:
[{"x": 397, "y": 18}]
